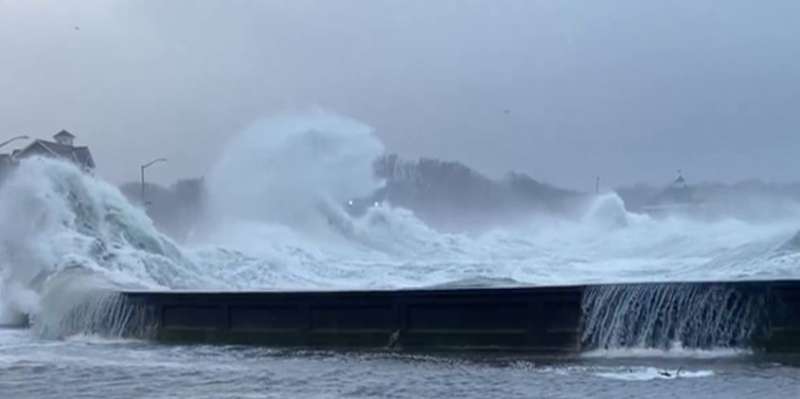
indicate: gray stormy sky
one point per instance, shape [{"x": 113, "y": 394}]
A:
[{"x": 629, "y": 90}]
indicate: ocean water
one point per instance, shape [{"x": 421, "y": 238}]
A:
[
  {"x": 92, "y": 367},
  {"x": 276, "y": 221}
]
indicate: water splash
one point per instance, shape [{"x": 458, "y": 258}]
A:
[
  {"x": 663, "y": 316},
  {"x": 105, "y": 314},
  {"x": 280, "y": 189},
  {"x": 296, "y": 171},
  {"x": 66, "y": 235}
]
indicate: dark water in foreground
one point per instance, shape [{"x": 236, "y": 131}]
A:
[{"x": 31, "y": 367}]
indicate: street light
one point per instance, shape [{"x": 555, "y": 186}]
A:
[
  {"x": 14, "y": 139},
  {"x": 145, "y": 166}
]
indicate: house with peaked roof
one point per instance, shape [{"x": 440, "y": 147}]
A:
[{"x": 63, "y": 147}]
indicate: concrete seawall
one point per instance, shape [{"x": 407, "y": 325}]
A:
[{"x": 530, "y": 319}]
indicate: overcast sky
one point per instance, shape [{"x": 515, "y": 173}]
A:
[{"x": 562, "y": 90}]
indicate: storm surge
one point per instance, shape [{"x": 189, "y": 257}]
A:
[
  {"x": 68, "y": 238},
  {"x": 278, "y": 219}
]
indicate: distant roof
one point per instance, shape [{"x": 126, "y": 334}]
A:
[
  {"x": 79, "y": 155},
  {"x": 64, "y": 133}
]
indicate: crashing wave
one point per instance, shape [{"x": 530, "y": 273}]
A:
[
  {"x": 60, "y": 225},
  {"x": 278, "y": 220}
]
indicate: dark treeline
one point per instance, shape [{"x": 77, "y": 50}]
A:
[
  {"x": 445, "y": 195},
  {"x": 451, "y": 196}
]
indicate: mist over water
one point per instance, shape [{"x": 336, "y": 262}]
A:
[
  {"x": 278, "y": 220},
  {"x": 292, "y": 170}
]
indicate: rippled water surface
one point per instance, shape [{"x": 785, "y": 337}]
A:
[{"x": 31, "y": 367}]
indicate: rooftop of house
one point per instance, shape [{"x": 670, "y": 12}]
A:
[
  {"x": 62, "y": 147},
  {"x": 64, "y": 133}
]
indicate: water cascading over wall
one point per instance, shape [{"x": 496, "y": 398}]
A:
[
  {"x": 107, "y": 314},
  {"x": 661, "y": 316}
]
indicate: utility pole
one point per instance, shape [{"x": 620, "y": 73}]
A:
[
  {"x": 142, "y": 168},
  {"x": 597, "y": 185}
]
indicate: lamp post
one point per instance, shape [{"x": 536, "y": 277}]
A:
[
  {"x": 145, "y": 166},
  {"x": 14, "y": 139}
]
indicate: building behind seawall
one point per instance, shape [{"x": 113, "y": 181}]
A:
[{"x": 62, "y": 147}]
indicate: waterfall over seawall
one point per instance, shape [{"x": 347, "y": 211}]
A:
[
  {"x": 107, "y": 314},
  {"x": 636, "y": 319},
  {"x": 661, "y": 316}
]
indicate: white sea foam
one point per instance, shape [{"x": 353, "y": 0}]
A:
[
  {"x": 277, "y": 222},
  {"x": 652, "y": 373},
  {"x": 622, "y": 373},
  {"x": 677, "y": 352}
]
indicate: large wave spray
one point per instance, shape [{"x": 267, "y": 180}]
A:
[
  {"x": 296, "y": 171},
  {"x": 277, "y": 221},
  {"x": 67, "y": 236}
]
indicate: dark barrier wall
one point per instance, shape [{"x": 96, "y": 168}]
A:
[
  {"x": 784, "y": 324},
  {"x": 534, "y": 319}
]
